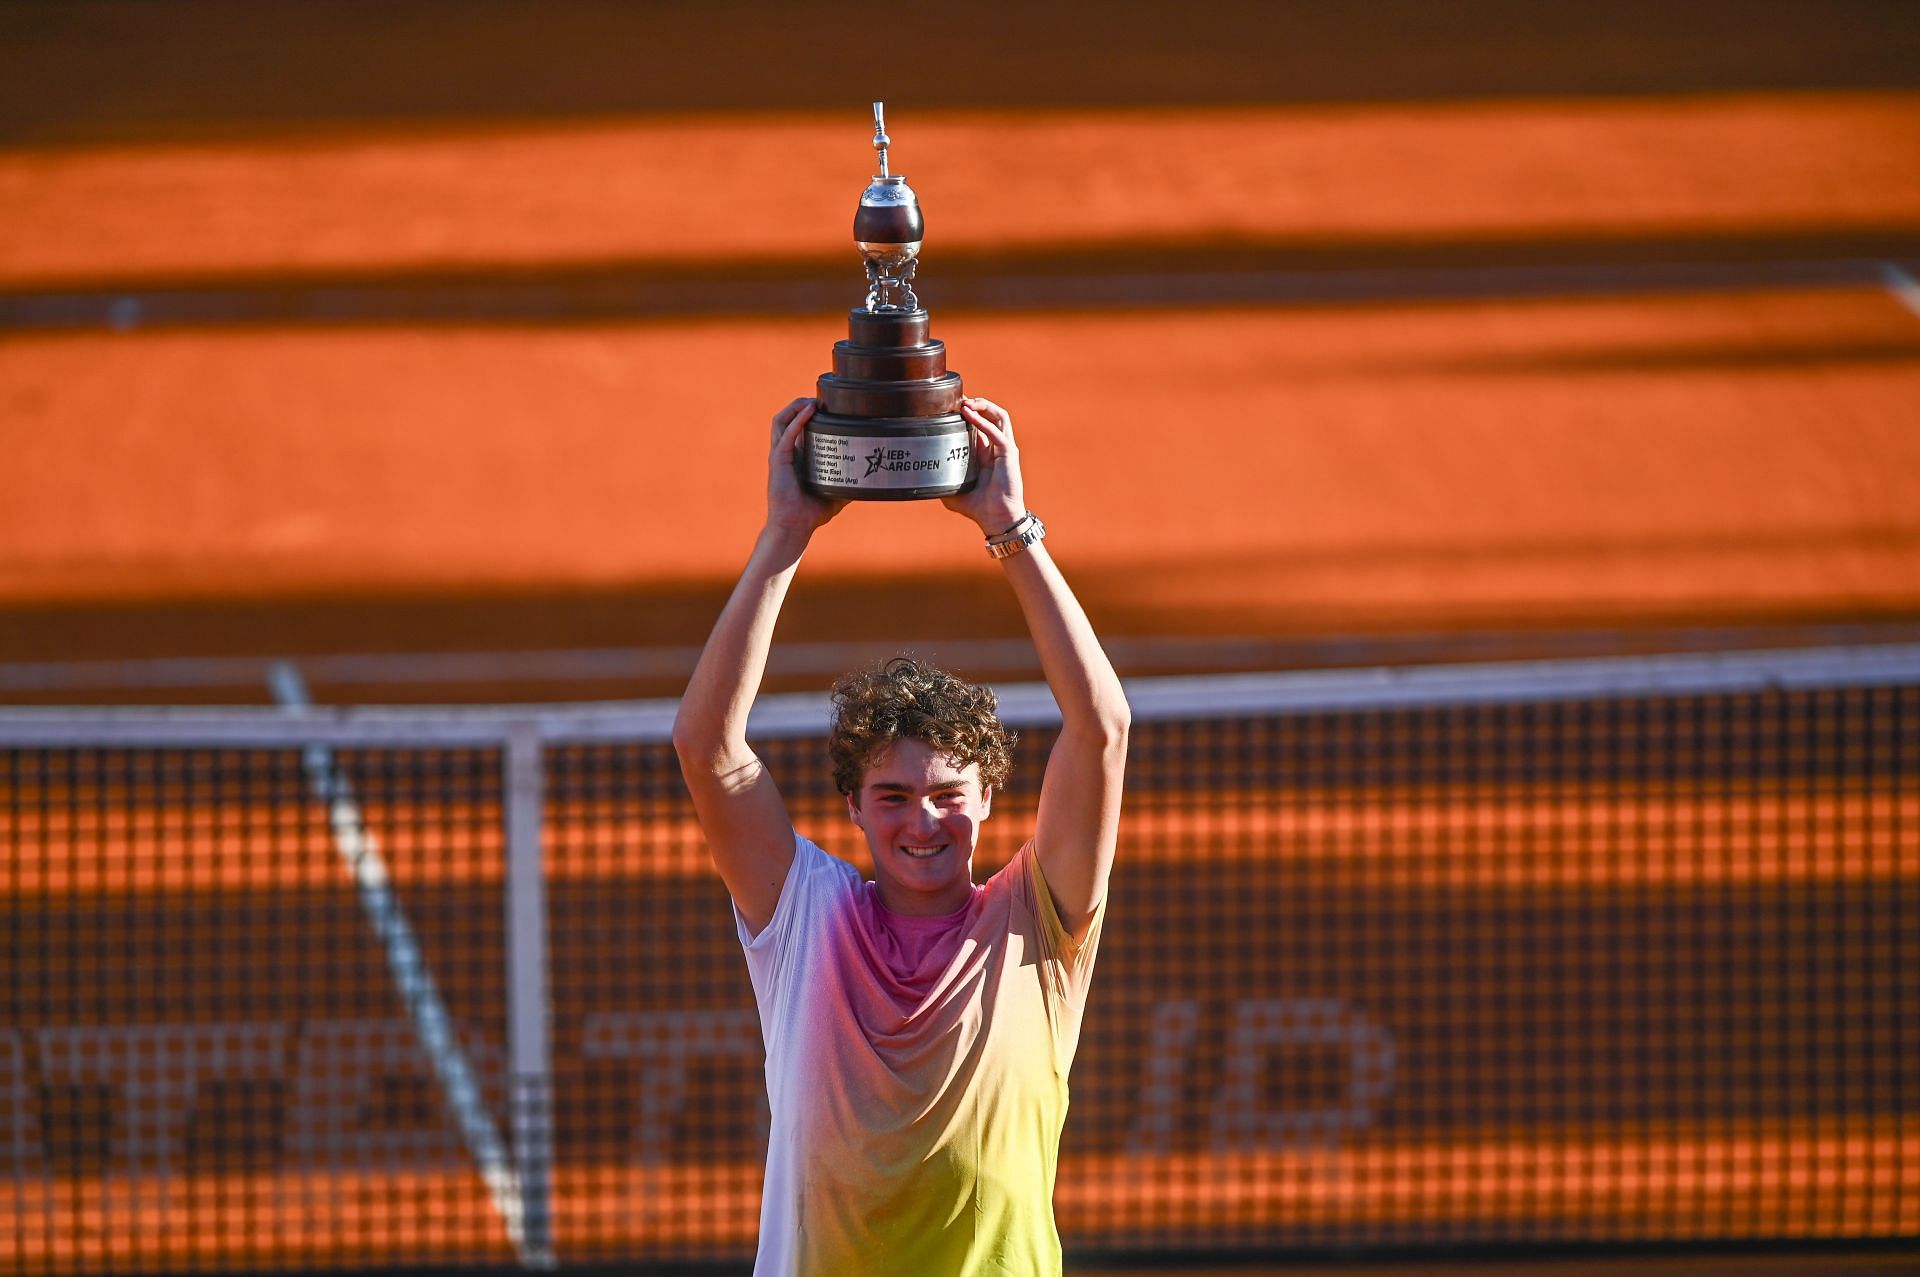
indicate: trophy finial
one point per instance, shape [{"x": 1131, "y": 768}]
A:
[{"x": 887, "y": 228}]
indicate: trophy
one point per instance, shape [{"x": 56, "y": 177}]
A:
[{"x": 888, "y": 426}]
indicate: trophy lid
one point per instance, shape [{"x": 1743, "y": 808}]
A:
[{"x": 889, "y": 211}]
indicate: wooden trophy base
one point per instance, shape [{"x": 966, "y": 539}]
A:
[{"x": 888, "y": 427}]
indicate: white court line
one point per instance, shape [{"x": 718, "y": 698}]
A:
[
  {"x": 411, "y": 976},
  {"x": 991, "y": 659},
  {"x": 784, "y": 714},
  {"x": 1904, "y": 287}
]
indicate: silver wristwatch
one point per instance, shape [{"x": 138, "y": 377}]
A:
[{"x": 1025, "y": 531}]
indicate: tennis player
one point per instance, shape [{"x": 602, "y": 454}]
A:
[{"x": 919, "y": 1027}]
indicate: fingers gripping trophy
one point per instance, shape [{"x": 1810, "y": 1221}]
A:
[{"x": 888, "y": 426}]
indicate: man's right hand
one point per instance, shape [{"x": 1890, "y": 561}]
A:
[{"x": 790, "y": 507}]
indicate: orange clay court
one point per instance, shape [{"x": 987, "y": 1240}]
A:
[{"x": 1669, "y": 457}]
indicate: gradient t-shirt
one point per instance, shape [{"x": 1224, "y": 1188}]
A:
[{"x": 916, "y": 1073}]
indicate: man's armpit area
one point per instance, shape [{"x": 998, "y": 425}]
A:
[
  {"x": 1069, "y": 943},
  {"x": 783, "y": 890}
]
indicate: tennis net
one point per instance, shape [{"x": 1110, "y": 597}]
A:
[{"x": 1607, "y": 951}]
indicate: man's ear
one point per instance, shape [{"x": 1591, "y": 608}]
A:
[
  {"x": 986, "y": 801},
  {"x": 853, "y": 812}
]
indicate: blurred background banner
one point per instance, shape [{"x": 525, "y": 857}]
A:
[{"x": 430, "y": 348}]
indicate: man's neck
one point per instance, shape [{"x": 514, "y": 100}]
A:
[{"x": 896, "y": 899}]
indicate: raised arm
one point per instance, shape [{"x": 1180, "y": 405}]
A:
[
  {"x": 741, "y": 812},
  {"x": 1079, "y": 817}
]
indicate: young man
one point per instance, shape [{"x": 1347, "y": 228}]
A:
[{"x": 918, "y": 1027}]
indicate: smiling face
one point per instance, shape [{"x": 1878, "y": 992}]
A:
[{"x": 921, "y": 813}]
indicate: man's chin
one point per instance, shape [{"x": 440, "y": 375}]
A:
[{"x": 930, "y": 875}]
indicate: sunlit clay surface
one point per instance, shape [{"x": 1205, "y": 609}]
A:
[
  {"x": 1213, "y": 471},
  {"x": 636, "y": 190}
]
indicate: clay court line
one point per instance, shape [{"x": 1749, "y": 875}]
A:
[
  {"x": 1168, "y": 699},
  {"x": 359, "y": 849},
  {"x": 1905, "y": 289},
  {"x": 488, "y": 672}
]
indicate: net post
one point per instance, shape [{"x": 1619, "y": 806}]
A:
[{"x": 529, "y": 1044}]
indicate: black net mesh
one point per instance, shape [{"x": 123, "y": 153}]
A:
[
  {"x": 1619, "y": 970},
  {"x": 209, "y": 1057}
]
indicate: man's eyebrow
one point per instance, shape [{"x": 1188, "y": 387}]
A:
[{"x": 900, "y": 787}]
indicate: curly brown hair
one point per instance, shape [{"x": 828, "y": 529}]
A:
[{"x": 908, "y": 699}]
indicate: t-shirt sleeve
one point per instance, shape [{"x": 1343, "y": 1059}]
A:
[
  {"x": 1067, "y": 964},
  {"x": 814, "y": 881}
]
